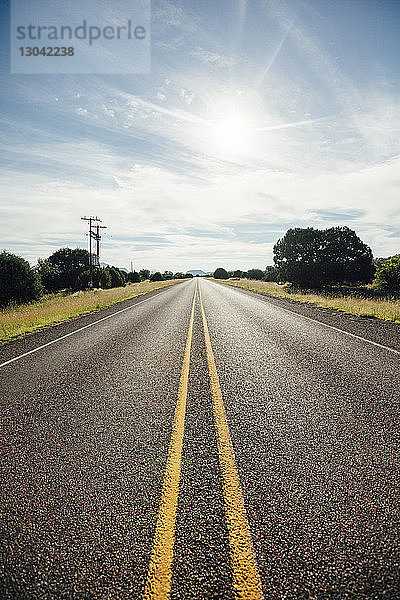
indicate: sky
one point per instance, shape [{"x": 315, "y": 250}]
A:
[{"x": 256, "y": 116}]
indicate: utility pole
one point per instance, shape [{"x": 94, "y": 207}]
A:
[
  {"x": 95, "y": 235},
  {"x": 98, "y": 238}
]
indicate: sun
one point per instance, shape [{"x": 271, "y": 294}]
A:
[
  {"x": 232, "y": 133},
  {"x": 227, "y": 129}
]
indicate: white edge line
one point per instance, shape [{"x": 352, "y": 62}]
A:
[
  {"x": 292, "y": 312},
  {"x": 76, "y": 330}
]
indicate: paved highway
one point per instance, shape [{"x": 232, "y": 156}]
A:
[{"x": 201, "y": 442}]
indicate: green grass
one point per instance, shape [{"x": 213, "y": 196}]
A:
[
  {"x": 57, "y": 308},
  {"x": 387, "y": 309}
]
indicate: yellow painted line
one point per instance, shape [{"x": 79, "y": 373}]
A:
[
  {"x": 246, "y": 579},
  {"x": 158, "y": 583}
]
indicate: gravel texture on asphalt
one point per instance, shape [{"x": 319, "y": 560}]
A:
[
  {"x": 86, "y": 429},
  {"x": 202, "y": 565},
  {"x": 25, "y": 343},
  {"x": 374, "y": 329},
  {"x": 314, "y": 421}
]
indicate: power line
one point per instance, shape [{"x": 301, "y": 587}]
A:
[{"x": 94, "y": 233}]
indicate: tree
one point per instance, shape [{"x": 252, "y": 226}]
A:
[
  {"x": 237, "y": 273},
  {"x": 387, "y": 276},
  {"x": 156, "y": 276},
  {"x": 18, "y": 281},
  {"x": 144, "y": 274},
  {"x": 68, "y": 264},
  {"x": 48, "y": 273},
  {"x": 313, "y": 257},
  {"x": 168, "y": 275},
  {"x": 117, "y": 277},
  {"x": 220, "y": 273},
  {"x": 101, "y": 279},
  {"x": 255, "y": 274},
  {"x": 133, "y": 277},
  {"x": 179, "y": 275},
  {"x": 271, "y": 274}
]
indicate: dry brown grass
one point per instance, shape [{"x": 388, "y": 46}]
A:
[
  {"x": 57, "y": 308},
  {"x": 387, "y": 309}
]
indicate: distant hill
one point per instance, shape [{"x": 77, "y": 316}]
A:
[{"x": 195, "y": 272}]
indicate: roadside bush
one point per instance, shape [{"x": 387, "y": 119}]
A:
[
  {"x": 117, "y": 277},
  {"x": 144, "y": 274},
  {"x": 387, "y": 276},
  {"x": 134, "y": 277},
  {"x": 220, "y": 273},
  {"x": 255, "y": 274},
  {"x": 101, "y": 279},
  {"x": 18, "y": 281},
  {"x": 271, "y": 274},
  {"x": 65, "y": 265},
  {"x": 49, "y": 275},
  {"x": 156, "y": 276}
]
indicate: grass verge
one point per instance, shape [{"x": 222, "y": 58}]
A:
[
  {"x": 387, "y": 309},
  {"x": 57, "y": 308}
]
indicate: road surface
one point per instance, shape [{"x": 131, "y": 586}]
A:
[{"x": 201, "y": 442}]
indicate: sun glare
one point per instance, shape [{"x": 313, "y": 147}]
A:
[
  {"x": 231, "y": 131},
  {"x": 228, "y": 129},
  {"x": 232, "y": 134}
]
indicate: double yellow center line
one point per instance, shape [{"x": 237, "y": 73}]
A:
[
  {"x": 160, "y": 569},
  {"x": 246, "y": 579}
]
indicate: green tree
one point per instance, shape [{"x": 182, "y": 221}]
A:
[
  {"x": 255, "y": 274},
  {"x": 101, "y": 279},
  {"x": 271, "y": 274},
  {"x": 314, "y": 258},
  {"x": 18, "y": 281},
  {"x": 237, "y": 273},
  {"x": 221, "y": 273},
  {"x": 49, "y": 274},
  {"x": 168, "y": 275},
  {"x": 156, "y": 276},
  {"x": 68, "y": 263},
  {"x": 387, "y": 276},
  {"x": 117, "y": 277},
  {"x": 133, "y": 277},
  {"x": 179, "y": 275},
  {"x": 144, "y": 274}
]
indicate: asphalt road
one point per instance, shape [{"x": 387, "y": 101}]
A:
[{"x": 143, "y": 459}]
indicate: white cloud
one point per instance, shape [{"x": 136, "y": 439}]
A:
[
  {"x": 144, "y": 157},
  {"x": 212, "y": 58},
  {"x": 165, "y": 220}
]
